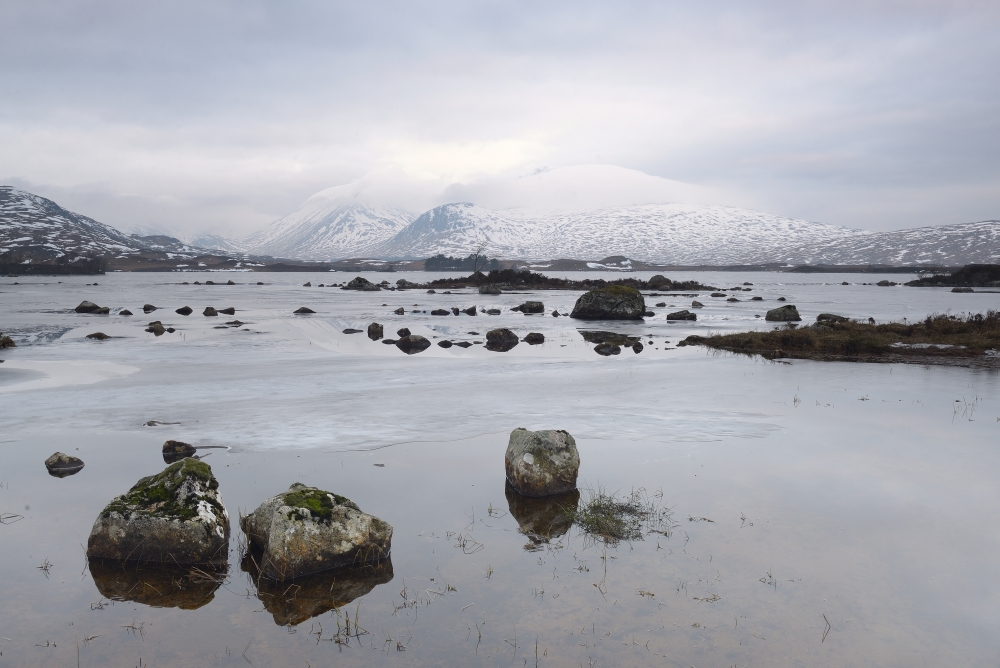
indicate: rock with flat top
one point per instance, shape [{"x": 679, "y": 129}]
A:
[
  {"x": 786, "y": 313},
  {"x": 541, "y": 463},
  {"x": 61, "y": 465},
  {"x": 612, "y": 302}
]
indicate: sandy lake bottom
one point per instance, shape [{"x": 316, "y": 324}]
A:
[{"x": 823, "y": 513}]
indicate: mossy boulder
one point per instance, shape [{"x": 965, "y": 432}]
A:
[
  {"x": 60, "y": 465},
  {"x": 612, "y": 302},
  {"x": 541, "y": 463},
  {"x": 787, "y": 313},
  {"x": 308, "y": 530},
  {"x": 6, "y": 342},
  {"x": 360, "y": 283},
  {"x": 174, "y": 517}
]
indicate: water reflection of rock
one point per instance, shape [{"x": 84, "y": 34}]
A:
[
  {"x": 295, "y": 601},
  {"x": 542, "y": 518},
  {"x": 187, "y": 588}
]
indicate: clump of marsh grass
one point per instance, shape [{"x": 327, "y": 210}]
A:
[{"x": 613, "y": 518}]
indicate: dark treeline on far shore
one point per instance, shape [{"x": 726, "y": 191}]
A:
[{"x": 60, "y": 267}]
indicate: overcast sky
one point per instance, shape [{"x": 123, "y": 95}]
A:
[{"x": 223, "y": 116}]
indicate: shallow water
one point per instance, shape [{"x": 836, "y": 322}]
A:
[{"x": 864, "y": 493}]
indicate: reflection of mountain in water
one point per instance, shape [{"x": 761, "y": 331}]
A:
[
  {"x": 543, "y": 518},
  {"x": 158, "y": 586},
  {"x": 294, "y": 602}
]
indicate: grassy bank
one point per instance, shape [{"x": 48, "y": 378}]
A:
[{"x": 940, "y": 339}]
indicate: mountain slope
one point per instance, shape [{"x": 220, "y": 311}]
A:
[
  {"x": 328, "y": 226},
  {"x": 37, "y": 228},
  {"x": 964, "y": 243},
  {"x": 664, "y": 233}
]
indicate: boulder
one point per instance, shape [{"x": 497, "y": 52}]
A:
[
  {"x": 612, "y": 302},
  {"x": 455, "y": 310},
  {"x": 682, "y": 315},
  {"x": 400, "y": 311},
  {"x": 6, "y": 342},
  {"x": 209, "y": 282},
  {"x": 697, "y": 304},
  {"x": 470, "y": 311},
  {"x": 61, "y": 465},
  {"x": 607, "y": 349},
  {"x": 534, "y": 338},
  {"x": 308, "y": 530},
  {"x": 124, "y": 311},
  {"x": 781, "y": 299},
  {"x": 637, "y": 347},
  {"x": 375, "y": 331},
  {"x": 756, "y": 299},
  {"x": 98, "y": 336},
  {"x": 351, "y": 330},
  {"x": 732, "y": 299},
  {"x": 886, "y": 284},
  {"x": 530, "y": 307},
  {"x": 500, "y": 340},
  {"x": 209, "y": 312},
  {"x": 148, "y": 308},
  {"x": 463, "y": 344},
  {"x": 307, "y": 284},
  {"x": 432, "y": 291},
  {"x": 412, "y": 344},
  {"x": 783, "y": 314},
  {"x": 659, "y": 281},
  {"x": 174, "y": 517},
  {"x": 174, "y": 451},
  {"x": 493, "y": 311},
  {"x": 228, "y": 311},
  {"x": 845, "y": 283},
  {"x": 184, "y": 310},
  {"x": 360, "y": 283},
  {"x": 260, "y": 282},
  {"x": 661, "y": 304},
  {"x": 555, "y": 313},
  {"x": 230, "y": 282},
  {"x": 403, "y": 284},
  {"x": 87, "y": 307},
  {"x": 303, "y": 310},
  {"x": 440, "y": 311},
  {"x": 831, "y": 317},
  {"x": 445, "y": 344},
  {"x": 962, "y": 290},
  {"x": 718, "y": 294},
  {"x": 156, "y": 328},
  {"x": 489, "y": 290},
  {"x": 747, "y": 283},
  {"x": 402, "y": 332},
  {"x": 541, "y": 463}
]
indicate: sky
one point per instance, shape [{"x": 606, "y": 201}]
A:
[{"x": 223, "y": 116}]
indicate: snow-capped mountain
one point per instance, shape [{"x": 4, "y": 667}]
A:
[
  {"x": 330, "y": 225},
  {"x": 964, "y": 243},
  {"x": 35, "y": 227},
  {"x": 687, "y": 234}
]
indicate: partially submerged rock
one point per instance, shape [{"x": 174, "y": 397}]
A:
[
  {"x": 962, "y": 290},
  {"x": 228, "y": 311},
  {"x": 156, "y": 328},
  {"x": 541, "y": 463},
  {"x": 607, "y": 349},
  {"x": 175, "y": 516},
  {"x": 682, "y": 315},
  {"x": 445, "y": 344},
  {"x": 783, "y": 314},
  {"x": 184, "y": 310},
  {"x": 412, "y": 344},
  {"x": 697, "y": 304},
  {"x": 530, "y": 307},
  {"x": 210, "y": 312},
  {"x": 500, "y": 340},
  {"x": 61, "y": 465},
  {"x": 148, "y": 308},
  {"x": 831, "y": 317},
  {"x": 489, "y": 290},
  {"x": 375, "y": 331},
  {"x": 612, "y": 302},
  {"x": 98, "y": 336},
  {"x": 361, "y": 283},
  {"x": 174, "y": 451},
  {"x": 124, "y": 311},
  {"x": 440, "y": 311},
  {"x": 303, "y": 310},
  {"x": 402, "y": 332},
  {"x": 308, "y": 530},
  {"x": 400, "y": 311},
  {"x": 6, "y": 342},
  {"x": 534, "y": 338},
  {"x": 88, "y": 307}
]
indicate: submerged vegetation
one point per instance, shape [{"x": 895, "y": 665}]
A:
[
  {"x": 611, "y": 519},
  {"x": 939, "y": 337}
]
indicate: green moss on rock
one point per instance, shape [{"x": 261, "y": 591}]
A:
[{"x": 158, "y": 494}]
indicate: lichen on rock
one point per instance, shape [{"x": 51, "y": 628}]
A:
[
  {"x": 307, "y": 530},
  {"x": 175, "y": 516},
  {"x": 541, "y": 463},
  {"x": 612, "y": 302}
]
